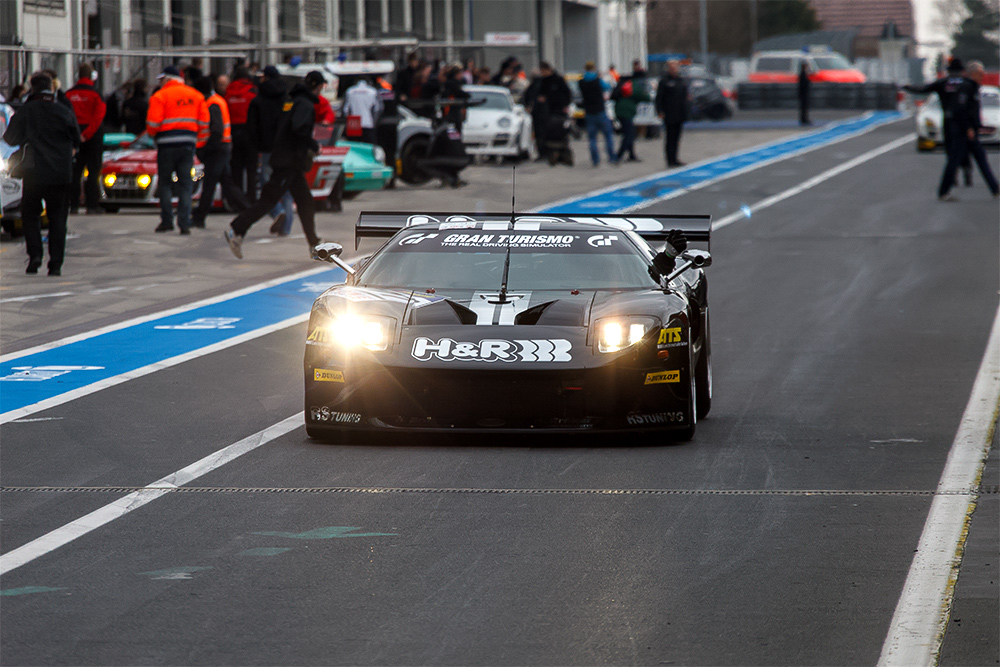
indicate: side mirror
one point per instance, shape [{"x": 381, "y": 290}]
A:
[
  {"x": 698, "y": 258},
  {"x": 330, "y": 252},
  {"x": 670, "y": 269}
]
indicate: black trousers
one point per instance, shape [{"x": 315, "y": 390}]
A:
[
  {"x": 387, "y": 135},
  {"x": 956, "y": 144},
  {"x": 217, "y": 170},
  {"x": 56, "y": 204},
  {"x": 90, "y": 156},
  {"x": 673, "y": 141},
  {"x": 243, "y": 163},
  {"x": 283, "y": 179},
  {"x": 975, "y": 149},
  {"x": 804, "y": 110}
]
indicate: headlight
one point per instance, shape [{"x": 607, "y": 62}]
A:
[
  {"x": 143, "y": 181},
  {"x": 617, "y": 333},
  {"x": 351, "y": 331},
  {"x": 195, "y": 175},
  {"x": 109, "y": 180},
  {"x": 504, "y": 122},
  {"x": 378, "y": 154}
]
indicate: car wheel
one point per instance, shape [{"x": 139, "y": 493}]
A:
[
  {"x": 413, "y": 150},
  {"x": 110, "y": 208},
  {"x": 703, "y": 375},
  {"x": 351, "y": 194}
]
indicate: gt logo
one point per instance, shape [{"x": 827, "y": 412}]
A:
[
  {"x": 601, "y": 240},
  {"x": 326, "y": 177},
  {"x": 663, "y": 377},
  {"x": 416, "y": 238},
  {"x": 493, "y": 350},
  {"x": 671, "y": 335}
]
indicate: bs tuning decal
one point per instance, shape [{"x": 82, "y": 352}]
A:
[
  {"x": 446, "y": 349},
  {"x": 663, "y": 377}
]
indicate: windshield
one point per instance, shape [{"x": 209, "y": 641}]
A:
[
  {"x": 496, "y": 100},
  {"x": 475, "y": 261},
  {"x": 773, "y": 64},
  {"x": 831, "y": 62}
]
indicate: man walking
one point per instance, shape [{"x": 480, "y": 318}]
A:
[
  {"x": 592, "y": 90},
  {"x": 214, "y": 150},
  {"x": 262, "y": 127},
  {"x": 362, "y": 100},
  {"x": 90, "y": 110},
  {"x": 671, "y": 106},
  {"x": 172, "y": 121},
  {"x": 803, "y": 90},
  {"x": 975, "y": 73},
  {"x": 48, "y": 134},
  {"x": 294, "y": 150}
]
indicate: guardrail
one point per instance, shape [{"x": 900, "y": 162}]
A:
[{"x": 881, "y": 96}]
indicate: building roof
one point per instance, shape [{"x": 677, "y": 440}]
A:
[{"x": 868, "y": 16}]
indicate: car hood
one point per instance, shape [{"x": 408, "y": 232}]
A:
[
  {"x": 483, "y": 118},
  {"x": 536, "y": 326}
]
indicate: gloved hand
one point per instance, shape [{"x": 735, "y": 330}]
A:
[{"x": 676, "y": 243}]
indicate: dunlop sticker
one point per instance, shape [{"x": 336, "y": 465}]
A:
[
  {"x": 324, "y": 375},
  {"x": 663, "y": 377}
]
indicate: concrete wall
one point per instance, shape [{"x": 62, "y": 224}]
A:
[{"x": 580, "y": 36}]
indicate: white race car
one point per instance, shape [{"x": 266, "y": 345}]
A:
[
  {"x": 930, "y": 122},
  {"x": 497, "y": 128}
]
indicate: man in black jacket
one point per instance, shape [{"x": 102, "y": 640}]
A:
[
  {"x": 214, "y": 149},
  {"x": 49, "y": 135},
  {"x": 672, "y": 106},
  {"x": 262, "y": 126},
  {"x": 292, "y": 156}
]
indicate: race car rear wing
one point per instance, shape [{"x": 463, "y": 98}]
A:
[{"x": 383, "y": 224}]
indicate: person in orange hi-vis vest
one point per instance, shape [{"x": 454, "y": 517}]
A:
[
  {"x": 215, "y": 143},
  {"x": 172, "y": 121}
]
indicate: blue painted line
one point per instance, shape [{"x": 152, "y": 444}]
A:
[
  {"x": 28, "y": 590},
  {"x": 639, "y": 192},
  {"x": 30, "y": 379}
]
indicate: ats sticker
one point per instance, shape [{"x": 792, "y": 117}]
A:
[
  {"x": 324, "y": 375},
  {"x": 446, "y": 349},
  {"x": 317, "y": 335},
  {"x": 663, "y": 377},
  {"x": 670, "y": 337},
  {"x": 325, "y": 414}
]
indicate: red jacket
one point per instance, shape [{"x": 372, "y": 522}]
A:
[
  {"x": 238, "y": 96},
  {"x": 324, "y": 112},
  {"x": 88, "y": 106}
]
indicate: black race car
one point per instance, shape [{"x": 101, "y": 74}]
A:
[{"x": 513, "y": 323}]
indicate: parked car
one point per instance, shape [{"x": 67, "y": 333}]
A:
[
  {"x": 783, "y": 67},
  {"x": 930, "y": 120},
  {"x": 499, "y": 127}
]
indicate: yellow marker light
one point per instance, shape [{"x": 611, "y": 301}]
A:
[
  {"x": 143, "y": 181},
  {"x": 109, "y": 180}
]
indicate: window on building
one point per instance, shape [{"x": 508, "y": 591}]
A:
[{"x": 45, "y": 5}]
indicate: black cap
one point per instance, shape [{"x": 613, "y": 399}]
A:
[
  {"x": 169, "y": 71},
  {"x": 955, "y": 65},
  {"x": 271, "y": 72},
  {"x": 315, "y": 78}
]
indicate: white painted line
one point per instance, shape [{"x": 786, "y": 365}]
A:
[
  {"x": 162, "y": 313},
  {"x": 814, "y": 181},
  {"x": 921, "y": 616},
  {"x": 736, "y": 172},
  {"x": 100, "y": 385},
  {"x": 66, "y": 534},
  {"x": 35, "y": 297}
]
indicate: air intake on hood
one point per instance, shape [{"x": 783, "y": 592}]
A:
[{"x": 442, "y": 312}]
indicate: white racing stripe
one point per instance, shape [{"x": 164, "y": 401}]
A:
[
  {"x": 814, "y": 181},
  {"x": 921, "y": 616},
  {"x": 66, "y": 534}
]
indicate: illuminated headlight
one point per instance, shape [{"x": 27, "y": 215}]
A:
[
  {"x": 109, "y": 180},
  {"x": 352, "y": 331},
  {"x": 378, "y": 154},
  {"x": 618, "y": 333},
  {"x": 504, "y": 122},
  {"x": 143, "y": 181}
]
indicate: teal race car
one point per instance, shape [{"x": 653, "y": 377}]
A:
[{"x": 364, "y": 168}]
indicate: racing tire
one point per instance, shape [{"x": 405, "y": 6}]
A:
[
  {"x": 111, "y": 208},
  {"x": 414, "y": 150},
  {"x": 687, "y": 433},
  {"x": 703, "y": 374},
  {"x": 350, "y": 194}
]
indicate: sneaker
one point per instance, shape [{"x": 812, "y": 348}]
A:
[
  {"x": 198, "y": 222},
  {"x": 55, "y": 272},
  {"x": 185, "y": 231},
  {"x": 947, "y": 197},
  {"x": 33, "y": 264},
  {"x": 164, "y": 228},
  {"x": 235, "y": 242}
]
